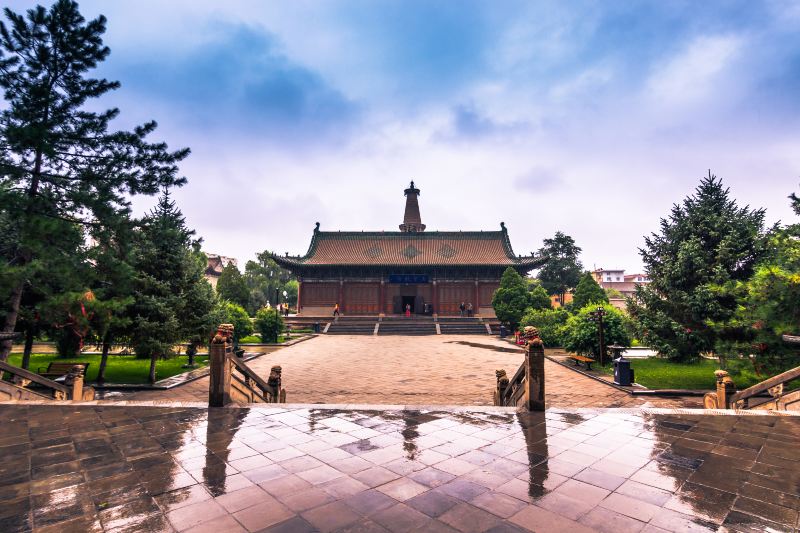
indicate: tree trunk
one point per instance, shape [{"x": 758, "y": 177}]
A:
[
  {"x": 11, "y": 319},
  {"x": 16, "y": 295},
  {"x": 152, "y": 377},
  {"x": 101, "y": 373},
  {"x": 26, "y": 354}
]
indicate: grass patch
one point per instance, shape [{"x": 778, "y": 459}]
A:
[
  {"x": 120, "y": 368},
  {"x": 252, "y": 339},
  {"x": 657, "y": 373}
]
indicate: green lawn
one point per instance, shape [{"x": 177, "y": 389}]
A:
[
  {"x": 656, "y": 373},
  {"x": 120, "y": 368}
]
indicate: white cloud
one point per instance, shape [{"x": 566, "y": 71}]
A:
[{"x": 693, "y": 75}]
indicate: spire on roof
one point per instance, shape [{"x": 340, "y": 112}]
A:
[{"x": 412, "y": 221}]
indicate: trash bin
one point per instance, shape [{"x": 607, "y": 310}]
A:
[
  {"x": 623, "y": 375},
  {"x": 503, "y": 332},
  {"x": 316, "y": 327}
]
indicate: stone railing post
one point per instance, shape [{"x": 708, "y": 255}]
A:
[
  {"x": 219, "y": 383},
  {"x": 725, "y": 389},
  {"x": 74, "y": 380},
  {"x": 534, "y": 373},
  {"x": 502, "y": 385}
]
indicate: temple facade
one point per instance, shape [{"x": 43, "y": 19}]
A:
[{"x": 382, "y": 272}]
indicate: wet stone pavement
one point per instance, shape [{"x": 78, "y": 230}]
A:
[{"x": 303, "y": 468}]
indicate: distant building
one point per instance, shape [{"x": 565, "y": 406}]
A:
[
  {"x": 619, "y": 281},
  {"x": 555, "y": 300},
  {"x": 215, "y": 265}
]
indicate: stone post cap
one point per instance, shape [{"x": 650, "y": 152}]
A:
[{"x": 720, "y": 374}]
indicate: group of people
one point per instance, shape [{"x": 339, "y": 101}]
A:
[{"x": 466, "y": 309}]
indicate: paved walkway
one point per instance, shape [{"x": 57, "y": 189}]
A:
[
  {"x": 408, "y": 370},
  {"x": 93, "y": 468}
]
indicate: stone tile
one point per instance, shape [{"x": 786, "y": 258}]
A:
[
  {"x": 631, "y": 507},
  {"x": 607, "y": 521},
  {"x": 401, "y": 518},
  {"x": 320, "y": 474},
  {"x": 293, "y": 525},
  {"x": 285, "y": 485},
  {"x": 332, "y": 516},
  {"x": 195, "y": 514},
  {"x": 468, "y": 519},
  {"x": 225, "y": 523},
  {"x": 462, "y": 489},
  {"x": 644, "y": 492},
  {"x": 305, "y": 499},
  {"x": 537, "y": 519},
  {"x": 432, "y": 503},
  {"x": 499, "y": 504},
  {"x": 369, "y": 501},
  {"x": 264, "y": 514},
  {"x": 243, "y": 498},
  {"x": 343, "y": 487},
  {"x": 402, "y": 489}
]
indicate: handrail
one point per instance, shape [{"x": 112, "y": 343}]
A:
[
  {"x": 526, "y": 389},
  {"x": 34, "y": 377},
  {"x": 247, "y": 371},
  {"x": 791, "y": 339},
  {"x": 765, "y": 385}
]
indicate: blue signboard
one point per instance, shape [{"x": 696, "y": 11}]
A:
[{"x": 408, "y": 278}]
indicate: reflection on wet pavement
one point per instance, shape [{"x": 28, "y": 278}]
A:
[
  {"x": 148, "y": 468},
  {"x": 493, "y": 347}
]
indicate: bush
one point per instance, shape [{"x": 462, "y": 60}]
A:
[
  {"x": 269, "y": 324},
  {"x": 512, "y": 298},
  {"x": 242, "y": 325},
  {"x": 549, "y": 322},
  {"x": 580, "y": 333}
]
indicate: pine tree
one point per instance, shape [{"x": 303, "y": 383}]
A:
[
  {"x": 563, "y": 269},
  {"x": 58, "y": 160},
  {"x": 172, "y": 300},
  {"x": 512, "y": 299},
  {"x": 706, "y": 245},
  {"x": 539, "y": 299},
  {"x": 232, "y": 286},
  {"x": 588, "y": 292}
]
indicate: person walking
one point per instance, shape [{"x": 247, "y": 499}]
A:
[
  {"x": 408, "y": 310},
  {"x": 461, "y": 309},
  {"x": 336, "y": 309}
]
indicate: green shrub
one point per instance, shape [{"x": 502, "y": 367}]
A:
[
  {"x": 549, "y": 322},
  {"x": 581, "y": 334},
  {"x": 242, "y": 325},
  {"x": 269, "y": 324}
]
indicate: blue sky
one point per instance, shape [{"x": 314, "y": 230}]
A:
[{"x": 587, "y": 117}]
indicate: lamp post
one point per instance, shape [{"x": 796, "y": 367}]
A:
[{"x": 597, "y": 316}]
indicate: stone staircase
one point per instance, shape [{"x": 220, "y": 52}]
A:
[
  {"x": 407, "y": 326},
  {"x": 355, "y": 325},
  {"x": 462, "y": 326}
]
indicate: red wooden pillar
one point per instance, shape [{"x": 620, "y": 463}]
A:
[
  {"x": 342, "y": 307},
  {"x": 382, "y": 298},
  {"x": 475, "y": 303},
  {"x": 436, "y": 297},
  {"x": 299, "y": 296}
]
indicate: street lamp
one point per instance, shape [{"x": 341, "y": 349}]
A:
[{"x": 597, "y": 316}]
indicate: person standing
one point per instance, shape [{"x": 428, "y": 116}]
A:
[
  {"x": 461, "y": 309},
  {"x": 469, "y": 309},
  {"x": 336, "y": 309},
  {"x": 408, "y": 310}
]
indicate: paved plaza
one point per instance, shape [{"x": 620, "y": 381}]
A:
[
  {"x": 409, "y": 370},
  {"x": 92, "y": 468}
]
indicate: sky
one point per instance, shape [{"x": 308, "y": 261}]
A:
[{"x": 590, "y": 118}]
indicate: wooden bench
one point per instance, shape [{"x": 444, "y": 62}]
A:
[
  {"x": 577, "y": 359},
  {"x": 57, "y": 369}
]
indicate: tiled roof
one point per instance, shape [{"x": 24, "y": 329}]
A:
[{"x": 410, "y": 249}]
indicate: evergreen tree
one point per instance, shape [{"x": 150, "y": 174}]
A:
[
  {"x": 269, "y": 324},
  {"x": 242, "y": 325},
  {"x": 512, "y": 299},
  {"x": 58, "y": 160},
  {"x": 232, "y": 286},
  {"x": 563, "y": 269},
  {"x": 581, "y": 335},
  {"x": 705, "y": 246},
  {"x": 588, "y": 292},
  {"x": 539, "y": 299},
  {"x": 263, "y": 277},
  {"x": 172, "y": 299}
]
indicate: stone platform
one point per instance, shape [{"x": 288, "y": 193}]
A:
[{"x": 142, "y": 467}]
